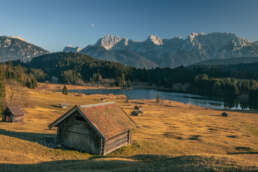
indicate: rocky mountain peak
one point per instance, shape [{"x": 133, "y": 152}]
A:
[
  {"x": 155, "y": 39},
  {"x": 108, "y": 41},
  {"x": 172, "y": 52},
  {"x": 193, "y": 35}
]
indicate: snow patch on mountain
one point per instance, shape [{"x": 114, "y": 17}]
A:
[
  {"x": 18, "y": 37},
  {"x": 155, "y": 40}
]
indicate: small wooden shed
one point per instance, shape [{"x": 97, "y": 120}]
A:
[
  {"x": 13, "y": 113},
  {"x": 97, "y": 128}
]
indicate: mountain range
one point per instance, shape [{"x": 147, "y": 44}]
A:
[
  {"x": 158, "y": 52},
  {"x": 150, "y": 53}
]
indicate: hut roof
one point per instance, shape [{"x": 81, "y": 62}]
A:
[
  {"x": 16, "y": 110},
  {"x": 107, "y": 118}
]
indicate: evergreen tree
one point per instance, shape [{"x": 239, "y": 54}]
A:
[
  {"x": 126, "y": 99},
  {"x": 65, "y": 90},
  {"x": 157, "y": 98},
  {"x": 2, "y": 96}
]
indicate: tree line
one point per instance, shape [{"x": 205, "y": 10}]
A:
[
  {"x": 19, "y": 75},
  {"x": 218, "y": 81}
]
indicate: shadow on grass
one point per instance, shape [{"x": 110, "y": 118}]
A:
[
  {"x": 172, "y": 135},
  {"x": 145, "y": 162},
  {"x": 195, "y": 137},
  {"x": 47, "y": 140},
  {"x": 218, "y": 115},
  {"x": 238, "y": 153},
  {"x": 149, "y": 163}
]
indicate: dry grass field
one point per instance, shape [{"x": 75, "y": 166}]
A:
[{"x": 170, "y": 136}]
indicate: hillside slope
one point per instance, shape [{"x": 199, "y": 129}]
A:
[
  {"x": 75, "y": 67},
  {"x": 15, "y": 48},
  {"x": 125, "y": 57}
]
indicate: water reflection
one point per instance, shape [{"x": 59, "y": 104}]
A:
[{"x": 198, "y": 100}]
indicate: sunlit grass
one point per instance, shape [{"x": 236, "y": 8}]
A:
[
  {"x": 169, "y": 135},
  {"x": 253, "y": 131}
]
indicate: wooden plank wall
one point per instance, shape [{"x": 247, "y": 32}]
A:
[
  {"x": 76, "y": 134},
  {"x": 116, "y": 142}
]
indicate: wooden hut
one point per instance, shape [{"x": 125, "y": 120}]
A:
[
  {"x": 97, "y": 128},
  {"x": 13, "y": 113}
]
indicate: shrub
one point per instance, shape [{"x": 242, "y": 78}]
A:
[
  {"x": 224, "y": 114},
  {"x": 136, "y": 108},
  {"x": 136, "y": 113}
]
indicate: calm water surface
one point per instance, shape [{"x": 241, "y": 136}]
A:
[{"x": 179, "y": 97}]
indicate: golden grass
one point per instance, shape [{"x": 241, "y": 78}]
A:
[
  {"x": 169, "y": 135},
  {"x": 54, "y": 87}
]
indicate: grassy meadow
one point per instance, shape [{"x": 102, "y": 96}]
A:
[{"x": 169, "y": 136}]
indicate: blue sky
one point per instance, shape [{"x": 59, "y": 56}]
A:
[{"x": 53, "y": 24}]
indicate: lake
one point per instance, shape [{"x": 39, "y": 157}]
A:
[{"x": 186, "y": 98}]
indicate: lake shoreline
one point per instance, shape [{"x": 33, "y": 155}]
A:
[
  {"x": 158, "y": 90},
  {"x": 185, "y": 98}
]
